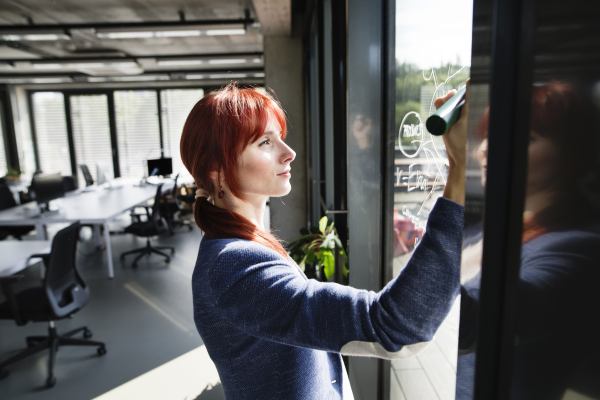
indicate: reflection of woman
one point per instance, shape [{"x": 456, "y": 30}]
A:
[
  {"x": 558, "y": 299},
  {"x": 272, "y": 333}
]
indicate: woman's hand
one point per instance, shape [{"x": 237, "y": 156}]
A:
[{"x": 456, "y": 149}]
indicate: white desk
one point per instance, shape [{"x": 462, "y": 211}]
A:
[
  {"x": 96, "y": 208},
  {"x": 14, "y": 254}
]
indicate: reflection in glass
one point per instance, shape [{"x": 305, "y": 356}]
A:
[{"x": 433, "y": 53}]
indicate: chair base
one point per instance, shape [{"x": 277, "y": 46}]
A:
[
  {"x": 148, "y": 250},
  {"x": 53, "y": 341}
]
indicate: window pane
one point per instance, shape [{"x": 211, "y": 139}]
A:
[
  {"x": 3, "y": 166},
  {"x": 137, "y": 130},
  {"x": 432, "y": 58},
  {"x": 176, "y": 104},
  {"x": 91, "y": 133},
  {"x": 51, "y": 132}
]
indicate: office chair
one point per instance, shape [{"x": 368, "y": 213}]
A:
[
  {"x": 171, "y": 206},
  {"x": 154, "y": 225},
  {"x": 69, "y": 183},
  {"x": 86, "y": 175},
  {"x": 7, "y": 201},
  {"x": 62, "y": 294}
]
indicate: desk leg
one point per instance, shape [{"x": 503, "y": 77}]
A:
[
  {"x": 41, "y": 233},
  {"x": 111, "y": 273},
  {"x": 97, "y": 240}
]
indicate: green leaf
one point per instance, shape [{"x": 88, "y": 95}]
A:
[
  {"x": 323, "y": 224},
  {"x": 310, "y": 256},
  {"x": 346, "y": 271},
  {"x": 328, "y": 264},
  {"x": 301, "y": 265}
]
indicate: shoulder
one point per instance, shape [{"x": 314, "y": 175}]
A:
[
  {"x": 225, "y": 259},
  {"x": 569, "y": 241}
]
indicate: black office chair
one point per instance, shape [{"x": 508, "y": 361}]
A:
[
  {"x": 154, "y": 225},
  {"x": 7, "y": 201},
  {"x": 69, "y": 183},
  {"x": 63, "y": 294},
  {"x": 86, "y": 175},
  {"x": 171, "y": 206}
]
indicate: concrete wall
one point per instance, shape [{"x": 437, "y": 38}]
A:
[{"x": 283, "y": 74}]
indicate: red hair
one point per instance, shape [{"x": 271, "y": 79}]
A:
[{"x": 215, "y": 134}]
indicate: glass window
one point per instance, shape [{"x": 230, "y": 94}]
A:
[
  {"x": 51, "y": 132},
  {"x": 91, "y": 133},
  {"x": 137, "y": 130},
  {"x": 3, "y": 166},
  {"x": 432, "y": 58},
  {"x": 176, "y": 104}
]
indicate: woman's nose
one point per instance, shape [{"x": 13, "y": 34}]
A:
[{"x": 288, "y": 154}]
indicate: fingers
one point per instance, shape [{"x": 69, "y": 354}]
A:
[{"x": 440, "y": 101}]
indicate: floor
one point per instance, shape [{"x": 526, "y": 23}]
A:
[{"x": 143, "y": 315}]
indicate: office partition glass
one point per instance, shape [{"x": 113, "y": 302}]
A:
[
  {"x": 50, "y": 126},
  {"x": 433, "y": 57},
  {"x": 176, "y": 104},
  {"x": 91, "y": 133},
  {"x": 138, "y": 130}
]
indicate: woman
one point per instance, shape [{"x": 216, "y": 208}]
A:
[
  {"x": 272, "y": 333},
  {"x": 558, "y": 303}
]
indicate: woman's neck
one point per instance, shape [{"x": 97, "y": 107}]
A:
[
  {"x": 252, "y": 209},
  {"x": 537, "y": 201}
]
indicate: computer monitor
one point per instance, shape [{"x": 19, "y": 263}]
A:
[
  {"x": 47, "y": 187},
  {"x": 160, "y": 166}
]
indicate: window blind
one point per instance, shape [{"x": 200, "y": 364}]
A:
[
  {"x": 91, "y": 133},
  {"x": 137, "y": 130},
  {"x": 51, "y": 132},
  {"x": 176, "y": 104}
]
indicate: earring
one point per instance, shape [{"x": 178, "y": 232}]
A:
[{"x": 221, "y": 193}]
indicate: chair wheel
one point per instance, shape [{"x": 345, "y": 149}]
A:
[
  {"x": 4, "y": 373},
  {"x": 87, "y": 334},
  {"x": 167, "y": 260},
  {"x": 50, "y": 382},
  {"x": 101, "y": 351}
]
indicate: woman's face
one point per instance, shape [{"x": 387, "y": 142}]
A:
[
  {"x": 542, "y": 159},
  {"x": 264, "y": 166}
]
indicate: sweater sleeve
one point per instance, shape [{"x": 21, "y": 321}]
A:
[{"x": 259, "y": 292}]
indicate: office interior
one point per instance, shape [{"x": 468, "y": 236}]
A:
[{"x": 108, "y": 86}]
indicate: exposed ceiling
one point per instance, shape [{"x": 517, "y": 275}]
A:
[{"x": 174, "y": 38}]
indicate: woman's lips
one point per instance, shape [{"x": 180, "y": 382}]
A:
[{"x": 285, "y": 174}]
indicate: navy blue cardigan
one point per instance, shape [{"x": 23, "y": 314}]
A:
[{"x": 274, "y": 334}]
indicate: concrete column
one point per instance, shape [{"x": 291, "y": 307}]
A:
[{"x": 283, "y": 74}]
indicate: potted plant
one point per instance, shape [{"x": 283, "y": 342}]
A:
[{"x": 316, "y": 250}]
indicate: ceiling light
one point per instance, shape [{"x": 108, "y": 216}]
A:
[
  {"x": 228, "y": 61},
  {"x": 195, "y": 76},
  {"x": 170, "y": 31},
  {"x": 137, "y": 78},
  {"x": 85, "y": 65},
  {"x": 216, "y": 32},
  {"x": 41, "y": 80},
  {"x": 220, "y": 76},
  {"x": 49, "y": 36},
  {"x": 171, "y": 63},
  {"x": 259, "y": 75}
]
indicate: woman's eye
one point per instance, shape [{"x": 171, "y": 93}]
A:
[{"x": 266, "y": 141}]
